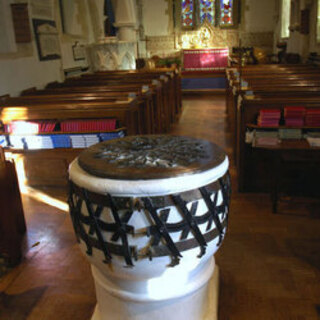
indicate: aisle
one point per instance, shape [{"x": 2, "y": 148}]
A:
[
  {"x": 205, "y": 117},
  {"x": 269, "y": 264}
]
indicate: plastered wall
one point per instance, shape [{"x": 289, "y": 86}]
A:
[
  {"x": 20, "y": 67},
  {"x": 155, "y": 17},
  {"x": 297, "y": 42}
]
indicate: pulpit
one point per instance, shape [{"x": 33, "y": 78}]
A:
[{"x": 112, "y": 54}]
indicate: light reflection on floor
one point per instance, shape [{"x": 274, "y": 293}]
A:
[{"x": 32, "y": 192}]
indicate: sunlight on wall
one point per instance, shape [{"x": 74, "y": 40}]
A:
[
  {"x": 285, "y": 18},
  {"x": 318, "y": 22}
]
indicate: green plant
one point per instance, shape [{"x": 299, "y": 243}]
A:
[{"x": 169, "y": 61}]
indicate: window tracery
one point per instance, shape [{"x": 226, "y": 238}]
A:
[{"x": 216, "y": 12}]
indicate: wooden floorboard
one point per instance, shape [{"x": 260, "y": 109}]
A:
[{"x": 269, "y": 264}]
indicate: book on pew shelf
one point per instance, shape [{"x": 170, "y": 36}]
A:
[
  {"x": 3, "y": 141},
  {"x": 294, "y": 111},
  {"x": 266, "y": 133},
  {"x": 88, "y": 125},
  {"x": 265, "y": 141},
  {"x": 294, "y": 116},
  {"x": 77, "y": 141},
  {"x": 312, "y": 134},
  {"x": 91, "y": 139},
  {"x": 290, "y": 134},
  {"x": 313, "y": 142},
  {"x": 111, "y": 135},
  {"x": 38, "y": 142},
  {"x": 313, "y": 117},
  {"x": 30, "y": 127},
  {"x": 16, "y": 142},
  {"x": 61, "y": 140},
  {"x": 22, "y": 127},
  {"x": 294, "y": 122},
  {"x": 269, "y": 117}
]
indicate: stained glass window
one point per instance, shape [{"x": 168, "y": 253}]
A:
[
  {"x": 226, "y": 12},
  {"x": 187, "y": 7},
  {"x": 207, "y": 10}
]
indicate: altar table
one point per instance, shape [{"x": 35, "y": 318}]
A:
[{"x": 205, "y": 59}]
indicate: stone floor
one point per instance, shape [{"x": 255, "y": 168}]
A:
[{"x": 269, "y": 264}]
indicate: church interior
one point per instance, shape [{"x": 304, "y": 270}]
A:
[{"x": 240, "y": 74}]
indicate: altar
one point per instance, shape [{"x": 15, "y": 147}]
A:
[{"x": 206, "y": 59}]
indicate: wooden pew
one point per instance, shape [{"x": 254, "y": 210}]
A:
[
  {"x": 145, "y": 108},
  {"x": 12, "y": 222},
  {"x": 171, "y": 81},
  {"x": 268, "y": 87},
  {"x": 39, "y": 163},
  {"x": 158, "y": 100},
  {"x": 166, "y": 108},
  {"x": 250, "y": 168},
  {"x": 172, "y": 72}
]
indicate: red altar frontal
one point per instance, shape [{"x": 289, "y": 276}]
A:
[{"x": 205, "y": 59}]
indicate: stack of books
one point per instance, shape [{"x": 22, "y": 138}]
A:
[
  {"x": 290, "y": 134},
  {"x": 313, "y": 142},
  {"x": 38, "y": 142},
  {"x": 91, "y": 139},
  {"x": 88, "y": 125},
  {"x": 313, "y": 117},
  {"x": 77, "y": 141},
  {"x": 269, "y": 117},
  {"x": 17, "y": 142},
  {"x": 294, "y": 116},
  {"x": 28, "y": 127},
  {"x": 21, "y": 127},
  {"x": 3, "y": 141},
  {"x": 47, "y": 126},
  {"x": 61, "y": 141},
  {"x": 111, "y": 135},
  {"x": 265, "y": 138}
]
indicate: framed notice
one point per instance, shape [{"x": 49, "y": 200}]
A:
[
  {"x": 47, "y": 39},
  {"x": 42, "y": 9}
]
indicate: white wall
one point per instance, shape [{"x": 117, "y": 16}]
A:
[
  {"x": 6, "y": 28},
  {"x": 259, "y": 15},
  {"x": 80, "y": 29},
  {"x": 20, "y": 68},
  {"x": 23, "y": 73},
  {"x": 314, "y": 46},
  {"x": 300, "y": 43},
  {"x": 155, "y": 17}
]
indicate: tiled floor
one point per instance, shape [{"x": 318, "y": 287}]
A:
[{"x": 269, "y": 264}]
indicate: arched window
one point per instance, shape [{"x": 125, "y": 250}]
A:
[{"x": 216, "y": 12}]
